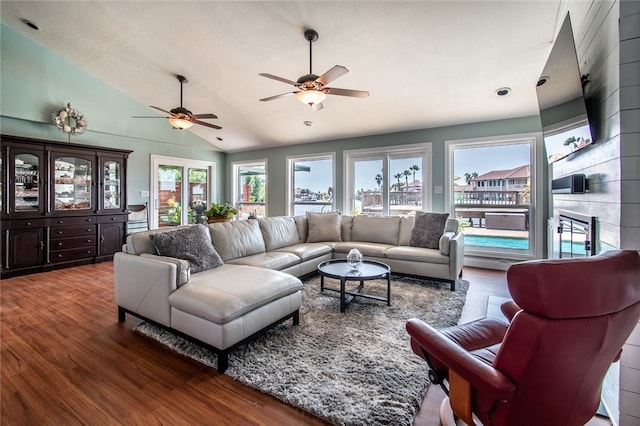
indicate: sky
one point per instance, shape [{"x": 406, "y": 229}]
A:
[{"x": 485, "y": 159}]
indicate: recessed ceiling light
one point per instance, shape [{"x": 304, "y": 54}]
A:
[
  {"x": 31, "y": 25},
  {"x": 503, "y": 91},
  {"x": 543, "y": 80},
  {"x": 308, "y": 123}
]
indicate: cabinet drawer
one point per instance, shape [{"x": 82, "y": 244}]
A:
[
  {"x": 72, "y": 231},
  {"x": 112, "y": 218},
  {"x": 56, "y": 221},
  {"x": 24, "y": 223},
  {"x": 72, "y": 243},
  {"x": 74, "y": 254}
]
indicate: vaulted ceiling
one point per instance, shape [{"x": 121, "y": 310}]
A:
[{"x": 425, "y": 63}]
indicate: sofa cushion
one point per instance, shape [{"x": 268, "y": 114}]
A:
[
  {"x": 302, "y": 227},
  {"x": 276, "y": 260},
  {"x": 183, "y": 266},
  {"x": 323, "y": 227},
  {"x": 406, "y": 226},
  {"x": 191, "y": 243},
  {"x": 366, "y": 248},
  {"x": 237, "y": 239},
  {"x": 139, "y": 242},
  {"x": 226, "y": 293},
  {"x": 427, "y": 229},
  {"x": 279, "y": 231},
  {"x": 308, "y": 250},
  {"x": 370, "y": 229},
  {"x": 345, "y": 227}
]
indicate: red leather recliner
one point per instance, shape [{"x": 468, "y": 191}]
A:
[{"x": 547, "y": 365}]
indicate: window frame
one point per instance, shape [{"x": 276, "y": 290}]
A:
[
  {"x": 290, "y": 197},
  {"x": 235, "y": 182},
  {"x": 536, "y": 240},
  {"x": 424, "y": 149}
]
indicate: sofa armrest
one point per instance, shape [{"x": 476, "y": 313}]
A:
[
  {"x": 142, "y": 285},
  {"x": 456, "y": 255},
  {"x": 184, "y": 267}
]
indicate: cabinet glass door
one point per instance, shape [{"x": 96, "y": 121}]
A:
[
  {"x": 73, "y": 184},
  {"x": 27, "y": 183},
  {"x": 112, "y": 197}
]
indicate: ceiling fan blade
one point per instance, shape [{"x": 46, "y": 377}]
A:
[
  {"x": 346, "y": 92},
  {"x": 203, "y": 123},
  {"x": 200, "y": 116},
  {"x": 332, "y": 74},
  {"x": 317, "y": 107},
  {"x": 275, "y": 77},
  {"x": 148, "y": 116},
  {"x": 160, "y": 109},
  {"x": 271, "y": 98}
]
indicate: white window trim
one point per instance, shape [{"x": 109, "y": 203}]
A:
[
  {"x": 235, "y": 184},
  {"x": 290, "y": 159},
  {"x": 157, "y": 160},
  {"x": 425, "y": 148},
  {"x": 537, "y": 186}
]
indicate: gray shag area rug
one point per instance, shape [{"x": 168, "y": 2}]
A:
[{"x": 352, "y": 368}]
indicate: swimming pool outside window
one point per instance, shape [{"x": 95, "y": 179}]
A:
[{"x": 490, "y": 190}]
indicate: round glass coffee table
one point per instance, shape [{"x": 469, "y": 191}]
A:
[{"x": 340, "y": 270}]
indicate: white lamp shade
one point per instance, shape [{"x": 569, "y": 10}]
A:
[
  {"x": 180, "y": 123},
  {"x": 311, "y": 97}
]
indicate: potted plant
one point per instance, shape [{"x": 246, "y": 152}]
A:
[{"x": 220, "y": 212}]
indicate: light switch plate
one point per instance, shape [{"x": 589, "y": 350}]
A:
[
  {"x": 144, "y": 193},
  {"x": 437, "y": 189}
]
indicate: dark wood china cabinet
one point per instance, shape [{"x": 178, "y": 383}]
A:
[{"x": 62, "y": 204}]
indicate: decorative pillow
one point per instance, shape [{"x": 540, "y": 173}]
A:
[
  {"x": 323, "y": 227},
  {"x": 427, "y": 229},
  {"x": 191, "y": 243}
]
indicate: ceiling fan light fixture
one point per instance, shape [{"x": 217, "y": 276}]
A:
[
  {"x": 180, "y": 123},
  {"x": 311, "y": 97}
]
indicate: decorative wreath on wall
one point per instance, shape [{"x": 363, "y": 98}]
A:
[{"x": 69, "y": 121}]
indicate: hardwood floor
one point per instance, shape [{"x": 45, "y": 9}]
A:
[{"x": 66, "y": 360}]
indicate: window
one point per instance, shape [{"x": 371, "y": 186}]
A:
[
  {"x": 389, "y": 181},
  {"x": 497, "y": 218},
  {"x": 179, "y": 187},
  {"x": 250, "y": 188},
  {"x": 311, "y": 184}
]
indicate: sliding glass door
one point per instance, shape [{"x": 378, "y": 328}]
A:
[{"x": 180, "y": 188}]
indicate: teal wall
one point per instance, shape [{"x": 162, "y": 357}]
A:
[
  {"x": 35, "y": 82},
  {"x": 277, "y": 167}
]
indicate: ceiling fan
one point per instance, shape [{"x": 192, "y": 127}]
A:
[
  {"x": 312, "y": 89},
  {"x": 180, "y": 117}
]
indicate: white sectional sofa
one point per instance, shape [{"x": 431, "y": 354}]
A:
[{"x": 257, "y": 287}]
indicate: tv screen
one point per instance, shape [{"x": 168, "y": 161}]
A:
[{"x": 563, "y": 112}]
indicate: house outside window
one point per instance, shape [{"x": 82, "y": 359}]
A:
[
  {"x": 491, "y": 193},
  {"x": 311, "y": 183},
  {"x": 250, "y": 188}
]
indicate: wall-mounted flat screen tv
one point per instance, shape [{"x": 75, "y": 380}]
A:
[{"x": 563, "y": 112}]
